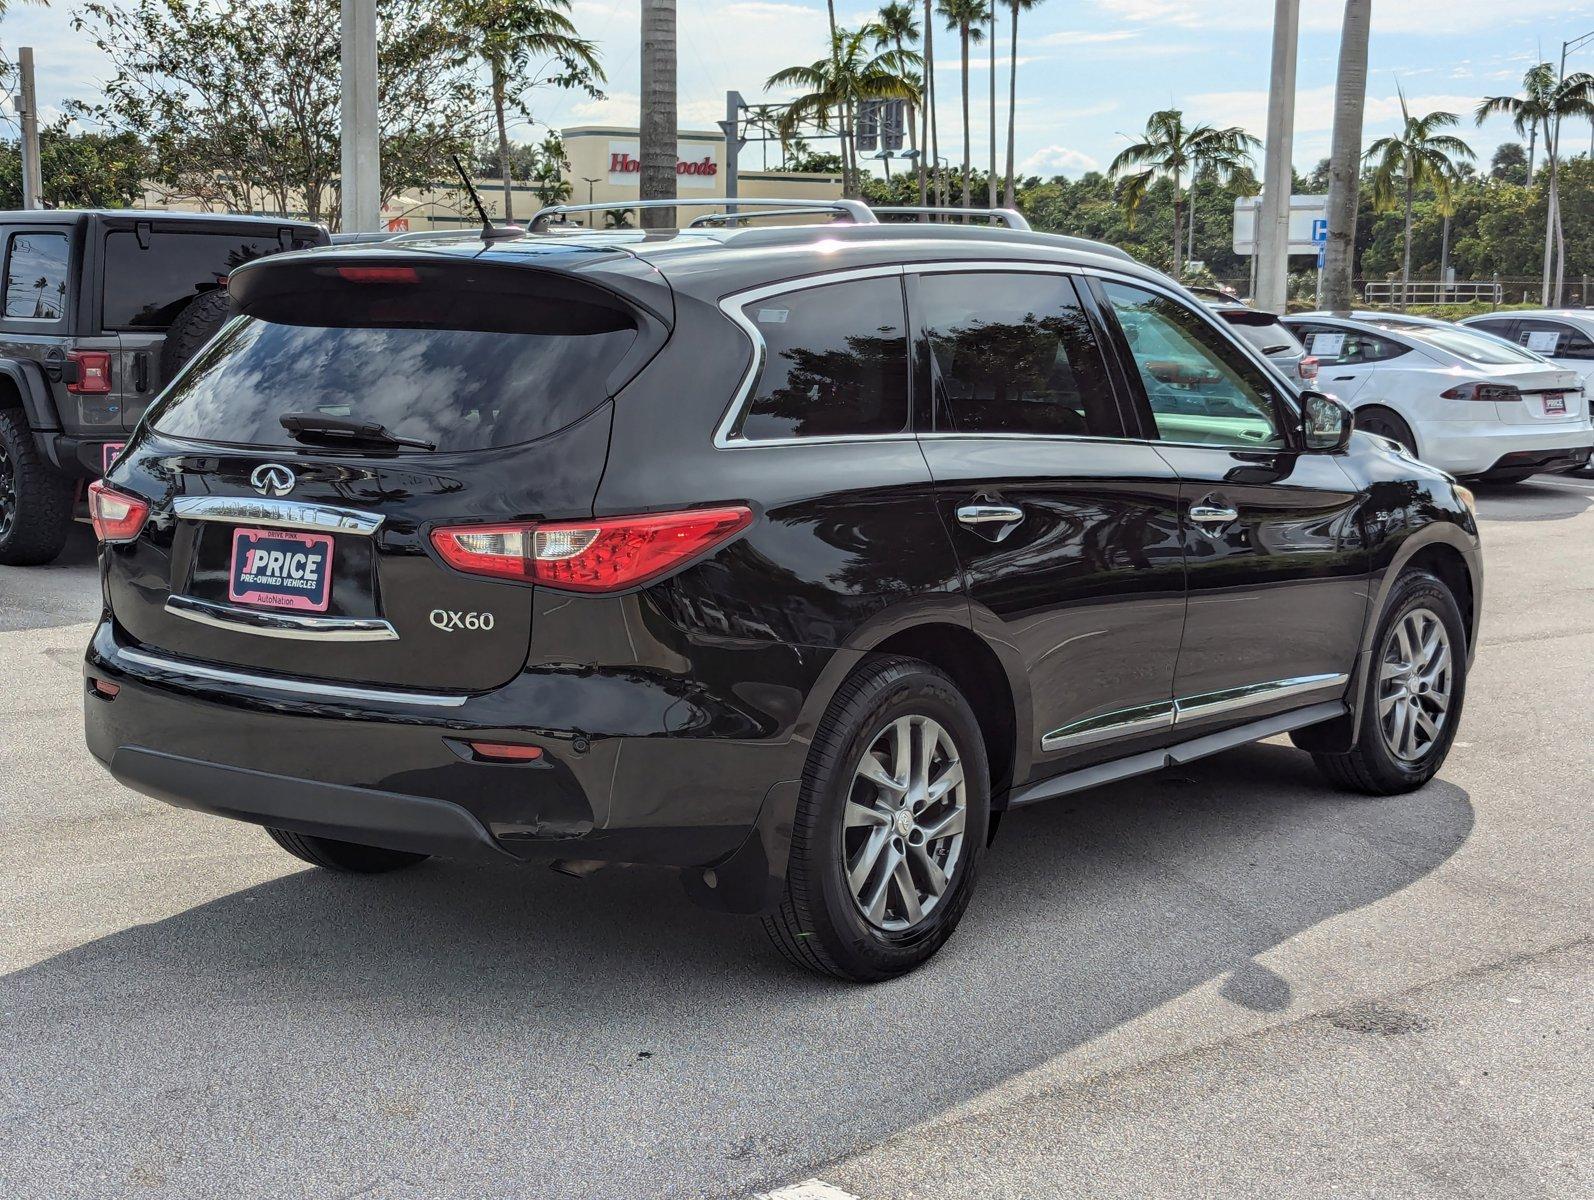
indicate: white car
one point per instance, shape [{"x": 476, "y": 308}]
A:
[
  {"x": 1564, "y": 336},
  {"x": 1461, "y": 400}
]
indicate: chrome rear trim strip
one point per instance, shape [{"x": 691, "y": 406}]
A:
[
  {"x": 281, "y": 625},
  {"x": 279, "y": 514},
  {"x": 292, "y": 687}
]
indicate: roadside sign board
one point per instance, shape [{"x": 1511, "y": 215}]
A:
[
  {"x": 1306, "y": 213},
  {"x": 1320, "y": 230}
]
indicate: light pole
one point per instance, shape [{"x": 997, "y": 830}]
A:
[
  {"x": 591, "y": 217},
  {"x": 361, "y": 183},
  {"x": 1273, "y": 236}
]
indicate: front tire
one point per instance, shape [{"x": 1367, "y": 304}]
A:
[
  {"x": 1387, "y": 423},
  {"x": 349, "y": 857},
  {"x": 1413, "y": 695},
  {"x": 890, "y": 825}
]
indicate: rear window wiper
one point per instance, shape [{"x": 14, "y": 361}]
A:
[{"x": 316, "y": 427}]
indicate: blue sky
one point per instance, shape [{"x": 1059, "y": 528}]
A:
[{"x": 1089, "y": 70}]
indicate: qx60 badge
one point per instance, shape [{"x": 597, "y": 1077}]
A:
[{"x": 272, "y": 479}]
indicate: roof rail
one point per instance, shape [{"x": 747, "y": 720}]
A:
[
  {"x": 855, "y": 211},
  {"x": 1010, "y": 217},
  {"x": 723, "y": 218}
]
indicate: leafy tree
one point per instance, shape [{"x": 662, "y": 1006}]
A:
[
  {"x": 84, "y": 169},
  {"x": 239, "y": 102},
  {"x": 1510, "y": 163},
  {"x": 1418, "y": 156},
  {"x": 526, "y": 44}
]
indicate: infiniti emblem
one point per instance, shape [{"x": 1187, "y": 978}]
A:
[{"x": 272, "y": 479}]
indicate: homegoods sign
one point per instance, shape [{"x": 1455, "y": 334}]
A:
[{"x": 696, "y": 164}]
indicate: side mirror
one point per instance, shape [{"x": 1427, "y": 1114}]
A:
[{"x": 1326, "y": 424}]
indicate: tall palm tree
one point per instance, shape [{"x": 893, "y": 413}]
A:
[
  {"x": 1009, "y": 192},
  {"x": 1225, "y": 154},
  {"x": 762, "y": 117},
  {"x": 852, "y": 72},
  {"x": 1345, "y": 157},
  {"x": 510, "y": 36},
  {"x": 657, "y": 141},
  {"x": 898, "y": 27},
  {"x": 990, "y": 178},
  {"x": 1545, "y": 103},
  {"x": 966, "y": 17},
  {"x": 1169, "y": 149},
  {"x": 1419, "y": 156},
  {"x": 930, "y": 128}
]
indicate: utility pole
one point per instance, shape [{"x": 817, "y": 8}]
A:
[
  {"x": 1272, "y": 272},
  {"x": 28, "y": 113},
  {"x": 362, "y": 155},
  {"x": 1345, "y": 159},
  {"x": 731, "y": 127},
  {"x": 657, "y": 134}
]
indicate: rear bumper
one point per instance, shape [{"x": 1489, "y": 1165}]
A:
[
  {"x": 1544, "y": 460},
  {"x": 364, "y": 765},
  {"x": 1472, "y": 450}
]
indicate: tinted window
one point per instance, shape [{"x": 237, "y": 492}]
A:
[
  {"x": 1471, "y": 346},
  {"x": 1334, "y": 345},
  {"x": 1498, "y": 328},
  {"x": 1201, "y": 389},
  {"x": 36, "y": 276},
  {"x": 460, "y": 389},
  {"x": 1269, "y": 339},
  {"x": 1014, "y": 354},
  {"x": 835, "y": 362},
  {"x": 1554, "y": 340},
  {"x": 145, "y": 288}
]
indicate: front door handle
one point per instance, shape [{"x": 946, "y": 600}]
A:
[
  {"x": 1213, "y": 514},
  {"x": 990, "y": 514}
]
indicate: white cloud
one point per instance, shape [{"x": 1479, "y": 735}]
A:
[
  {"x": 1425, "y": 17},
  {"x": 1058, "y": 160}
]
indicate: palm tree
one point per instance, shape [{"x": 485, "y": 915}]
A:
[
  {"x": 1345, "y": 157},
  {"x": 1546, "y": 103},
  {"x": 990, "y": 178},
  {"x": 1009, "y": 192},
  {"x": 1168, "y": 149},
  {"x": 1225, "y": 154},
  {"x": 898, "y": 26},
  {"x": 762, "y": 117},
  {"x": 657, "y": 139},
  {"x": 929, "y": 126},
  {"x": 836, "y": 84},
  {"x": 1418, "y": 157},
  {"x": 965, "y": 16},
  {"x": 509, "y": 36}
]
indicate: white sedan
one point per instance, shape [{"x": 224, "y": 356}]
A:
[
  {"x": 1461, "y": 400},
  {"x": 1565, "y": 336}
]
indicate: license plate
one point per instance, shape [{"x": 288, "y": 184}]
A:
[
  {"x": 273, "y": 568},
  {"x": 108, "y": 453},
  {"x": 1554, "y": 404}
]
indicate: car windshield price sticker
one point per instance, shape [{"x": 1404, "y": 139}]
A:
[
  {"x": 1328, "y": 345},
  {"x": 277, "y": 569},
  {"x": 1542, "y": 341}
]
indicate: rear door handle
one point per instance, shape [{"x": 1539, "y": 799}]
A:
[
  {"x": 990, "y": 514},
  {"x": 1213, "y": 514}
]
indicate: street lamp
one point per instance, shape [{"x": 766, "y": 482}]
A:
[
  {"x": 591, "y": 217},
  {"x": 1571, "y": 47}
]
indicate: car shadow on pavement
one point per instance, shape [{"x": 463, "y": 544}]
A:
[
  {"x": 1540, "y": 498},
  {"x": 459, "y": 1031}
]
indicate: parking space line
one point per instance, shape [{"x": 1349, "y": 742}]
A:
[{"x": 808, "y": 1189}]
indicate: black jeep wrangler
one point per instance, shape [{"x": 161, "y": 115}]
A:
[{"x": 99, "y": 311}]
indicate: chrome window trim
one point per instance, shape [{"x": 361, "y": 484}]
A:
[
  {"x": 262, "y": 623},
  {"x": 279, "y": 514},
  {"x": 294, "y": 687},
  {"x": 1145, "y": 718}
]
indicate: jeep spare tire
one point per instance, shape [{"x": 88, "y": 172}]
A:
[{"x": 199, "y": 321}]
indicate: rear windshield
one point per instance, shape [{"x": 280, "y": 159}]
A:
[
  {"x": 1269, "y": 339},
  {"x": 1471, "y": 346},
  {"x": 532, "y": 365},
  {"x": 147, "y": 284}
]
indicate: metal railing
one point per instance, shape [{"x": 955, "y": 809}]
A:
[{"x": 1427, "y": 291}]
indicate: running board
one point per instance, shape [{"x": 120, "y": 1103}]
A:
[{"x": 1168, "y": 756}]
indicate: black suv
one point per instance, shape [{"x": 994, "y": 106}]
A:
[
  {"x": 787, "y": 557},
  {"x": 99, "y": 311}
]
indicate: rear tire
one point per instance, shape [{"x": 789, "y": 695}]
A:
[
  {"x": 35, "y": 498},
  {"x": 1387, "y": 423},
  {"x": 199, "y": 321},
  {"x": 890, "y": 825},
  {"x": 349, "y": 857},
  {"x": 1407, "y": 692}
]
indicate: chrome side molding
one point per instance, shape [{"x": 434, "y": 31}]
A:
[
  {"x": 1145, "y": 718},
  {"x": 281, "y": 624},
  {"x": 279, "y": 514}
]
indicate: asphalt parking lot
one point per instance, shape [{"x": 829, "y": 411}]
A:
[{"x": 1222, "y": 980}]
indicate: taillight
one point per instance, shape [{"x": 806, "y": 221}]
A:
[
  {"x": 117, "y": 516},
  {"x": 93, "y": 372},
  {"x": 379, "y": 274},
  {"x": 1307, "y": 369},
  {"x": 605, "y": 554},
  {"x": 1503, "y": 392}
]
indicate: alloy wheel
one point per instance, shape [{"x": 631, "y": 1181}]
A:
[
  {"x": 1415, "y": 679},
  {"x": 902, "y": 836}
]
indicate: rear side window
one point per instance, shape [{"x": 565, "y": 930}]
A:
[
  {"x": 147, "y": 284},
  {"x": 463, "y": 358},
  {"x": 1553, "y": 339},
  {"x": 835, "y": 362},
  {"x": 37, "y": 266},
  {"x": 1014, "y": 353},
  {"x": 1335, "y": 346}
]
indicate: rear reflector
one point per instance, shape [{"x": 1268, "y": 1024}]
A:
[
  {"x": 379, "y": 274},
  {"x": 605, "y": 554},
  {"x": 505, "y": 751},
  {"x": 117, "y": 516},
  {"x": 105, "y": 688}
]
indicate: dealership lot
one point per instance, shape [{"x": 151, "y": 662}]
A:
[{"x": 1223, "y": 978}]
